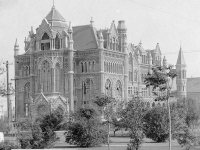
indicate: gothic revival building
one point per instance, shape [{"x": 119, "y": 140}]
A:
[{"x": 66, "y": 67}]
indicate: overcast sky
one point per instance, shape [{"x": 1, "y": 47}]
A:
[{"x": 168, "y": 22}]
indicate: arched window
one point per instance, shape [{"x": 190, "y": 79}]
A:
[
  {"x": 26, "y": 98},
  {"x": 153, "y": 104},
  {"x": 93, "y": 66},
  {"x": 85, "y": 66},
  {"x": 45, "y": 43},
  {"x": 57, "y": 42},
  {"x": 82, "y": 68},
  {"x": 118, "y": 90},
  {"x": 87, "y": 90},
  {"x": 108, "y": 88},
  {"x": 57, "y": 77},
  {"x": 45, "y": 76},
  {"x": 135, "y": 75},
  {"x": 45, "y": 36}
]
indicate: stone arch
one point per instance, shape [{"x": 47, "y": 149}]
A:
[
  {"x": 45, "y": 42},
  {"x": 87, "y": 90},
  {"x": 45, "y": 36},
  {"x": 118, "y": 90},
  {"x": 108, "y": 88}
]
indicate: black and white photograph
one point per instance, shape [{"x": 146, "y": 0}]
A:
[{"x": 100, "y": 74}]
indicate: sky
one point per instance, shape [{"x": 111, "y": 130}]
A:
[{"x": 170, "y": 23}]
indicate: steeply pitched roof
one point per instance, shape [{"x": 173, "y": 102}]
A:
[
  {"x": 180, "y": 60},
  {"x": 85, "y": 37},
  {"x": 193, "y": 84},
  {"x": 55, "y": 19},
  {"x": 54, "y": 15}
]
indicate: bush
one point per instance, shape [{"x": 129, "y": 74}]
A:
[
  {"x": 8, "y": 146},
  {"x": 156, "y": 124},
  {"x": 86, "y": 130},
  {"x": 40, "y": 134}
]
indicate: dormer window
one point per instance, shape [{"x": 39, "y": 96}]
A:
[{"x": 45, "y": 43}]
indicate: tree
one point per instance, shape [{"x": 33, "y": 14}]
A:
[
  {"x": 86, "y": 130},
  {"x": 156, "y": 124},
  {"x": 161, "y": 80},
  {"x": 132, "y": 116},
  {"x": 183, "y": 120},
  {"x": 107, "y": 106},
  {"x": 39, "y": 133}
]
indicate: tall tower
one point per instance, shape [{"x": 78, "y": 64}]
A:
[
  {"x": 122, "y": 32},
  {"x": 16, "y": 48},
  {"x": 181, "y": 76}
]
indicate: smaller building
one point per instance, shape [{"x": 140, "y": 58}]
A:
[{"x": 193, "y": 92}]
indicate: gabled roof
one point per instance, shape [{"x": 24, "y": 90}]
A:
[
  {"x": 113, "y": 29},
  {"x": 180, "y": 60},
  {"x": 193, "y": 84},
  {"x": 85, "y": 37}
]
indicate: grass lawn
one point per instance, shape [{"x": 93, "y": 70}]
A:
[{"x": 120, "y": 143}]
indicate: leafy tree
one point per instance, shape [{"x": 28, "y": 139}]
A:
[
  {"x": 86, "y": 129},
  {"x": 156, "y": 124},
  {"x": 183, "y": 119},
  {"x": 39, "y": 134},
  {"x": 107, "y": 106},
  {"x": 132, "y": 116}
]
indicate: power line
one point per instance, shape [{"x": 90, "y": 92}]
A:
[{"x": 183, "y": 52}]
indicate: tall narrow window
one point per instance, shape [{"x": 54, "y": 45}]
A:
[
  {"x": 57, "y": 77},
  {"x": 45, "y": 43},
  {"x": 57, "y": 42},
  {"x": 45, "y": 76}
]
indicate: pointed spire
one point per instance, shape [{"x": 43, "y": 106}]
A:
[
  {"x": 53, "y": 5},
  {"x": 180, "y": 60},
  {"x": 70, "y": 30},
  {"x": 16, "y": 43},
  {"x": 164, "y": 62},
  {"x": 16, "y": 48},
  {"x": 101, "y": 40},
  {"x": 91, "y": 21}
]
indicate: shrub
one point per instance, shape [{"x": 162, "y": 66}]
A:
[
  {"x": 156, "y": 124},
  {"x": 8, "y": 146},
  {"x": 86, "y": 130}
]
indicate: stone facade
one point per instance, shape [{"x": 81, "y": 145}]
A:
[{"x": 67, "y": 67}]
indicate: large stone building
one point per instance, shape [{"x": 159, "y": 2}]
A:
[{"x": 66, "y": 67}]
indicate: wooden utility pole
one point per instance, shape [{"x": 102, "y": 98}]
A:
[{"x": 8, "y": 93}]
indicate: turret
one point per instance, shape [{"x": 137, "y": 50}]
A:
[
  {"x": 101, "y": 41},
  {"x": 122, "y": 31},
  {"x": 150, "y": 63},
  {"x": 16, "y": 48},
  {"x": 71, "y": 42},
  {"x": 164, "y": 62},
  {"x": 181, "y": 80}
]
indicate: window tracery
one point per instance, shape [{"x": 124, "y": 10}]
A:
[{"x": 108, "y": 88}]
